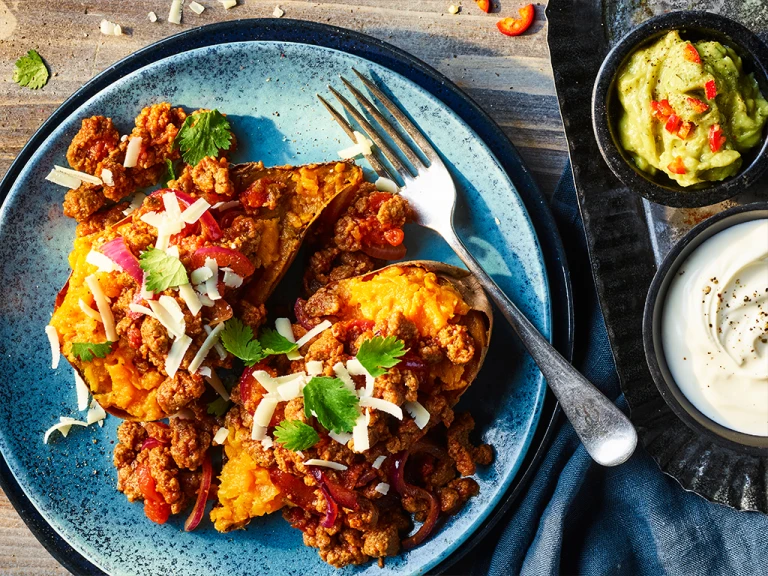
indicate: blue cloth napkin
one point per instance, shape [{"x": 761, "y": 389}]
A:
[{"x": 580, "y": 518}]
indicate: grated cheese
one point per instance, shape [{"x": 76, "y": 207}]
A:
[
  {"x": 340, "y": 437},
  {"x": 232, "y": 280},
  {"x": 200, "y": 275},
  {"x": 267, "y": 443},
  {"x": 291, "y": 388},
  {"x": 322, "y": 327},
  {"x": 82, "y": 392},
  {"x": 162, "y": 316},
  {"x": 204, "y": 300},
  {"x": 283, "y": 327},
  {"x": 258, "y": 432},
  {"x": 221, "y": 206},
  {"x": 101, "y": 303},
  {"x": 82, "y": 176},
  {"x": 420, "y": 414},
  {"x": 63, "y": 179},
  {"x": 355, "y": 368},
  {"x": 264, "y": 411},
  {"x": 53, "y": 339},
  {"x": 325, "y": 463},
  {"x": 172, "y": 208},
  {"x": 152, "y": 17},
  {"x": 146, "y": 294},
  {"x": 378, "y": 462},
  {"x": 212, "y": 337},
  {"x": 139, "y": 309},
  {"x": 217, "y": 345},
  {"x": 386, "y": 185},
  {"x": 196, "y": 8},
  {"x": 103, "y": 263},
  {"x": 154, "y": 219},
  {"x": 212, "y": 284},
  {"x": 452, "y": 9},
  {"x": 193, "y": 213},
  {"x": 215, "y": 382},
  {"x": 269, "y": 383},
  {"x": 95, "y": 413},
  {"x": 383, "y": 406},
  {"x": 106, "y": 176},
  {"x": 190, "y": 298},
  {"x": 204, "y": 371},
  {"x": 228, "y": 4},
  {"x": 62, "y": 426},
  {"x": 382, "y": 488},
  {"x": 277, "y": 12},
  {"x": 221, "y": 435},
  {"x": 132, "y": 152},
  {"x": 314, "y": 367},
  {"x": 360, "y": 432},
  {"x": 343, "y": 374},
  {"x": 361, "y": 147},
  {"x": 173, "y": 308},
  {"x": 174, "y": 15},
  {"x": 176, "y": 355}
]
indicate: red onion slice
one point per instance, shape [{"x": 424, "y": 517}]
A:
[
  {"x": 347, "y": 498},
  {"x": 202, "y": 496},
  {"x": 118, "y": 252},
  {"x": 397, "y": 475},
  {"x": 233, "y": 259},
  {"x": 384, "y": 252},
  {"x": 150, "y": 443},
  {"x": 331, "y": 509}
]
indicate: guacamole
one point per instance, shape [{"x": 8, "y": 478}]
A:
[{"x": 689, "y": 110}]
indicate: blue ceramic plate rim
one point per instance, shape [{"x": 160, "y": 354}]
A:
[{"x": 414, "y": 70}]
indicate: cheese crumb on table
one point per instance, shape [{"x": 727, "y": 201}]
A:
[
  {"x": 152, "y": 17},
  {"x": 196, "y": 8},
  {"x": 453, "y": 9},
  {"x": 277, "y": 13}
]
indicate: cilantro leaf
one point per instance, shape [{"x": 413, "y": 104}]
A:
[
  {"x": 163, "y": 270},
  {"x": 218, "y": 407},
  {"x": 295, "y": 435},
  {"x": 170, "y": 173},
  {"x": 30, "y": 71},
  {"x": 238, "y": 339},
  {"x": 203, "y": 134},
  {"x": 86, "y": 351},
  {"x": 332, "y": 403},
  {"x": 275, "y": 343},
  {"x": 379, "y": 353}
]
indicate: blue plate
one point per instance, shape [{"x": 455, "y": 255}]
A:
[{"x": 267, "y": 88}]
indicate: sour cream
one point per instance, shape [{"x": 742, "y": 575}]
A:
[{"x": 715, "y": 328}]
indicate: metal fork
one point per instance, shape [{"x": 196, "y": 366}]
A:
[{"x": 605, "y": 431}]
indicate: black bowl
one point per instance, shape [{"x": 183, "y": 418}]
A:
[
  {"x": 652, "y": 318},
  {"x": 606, "y": 108}
]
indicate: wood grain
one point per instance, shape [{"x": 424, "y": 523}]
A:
[{"x": 509, "y": 77}]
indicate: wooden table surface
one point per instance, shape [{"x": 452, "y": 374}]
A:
[{"x": 510, "y": 78}]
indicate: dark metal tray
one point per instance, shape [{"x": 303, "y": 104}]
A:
[{"x": 628, "y": 236}]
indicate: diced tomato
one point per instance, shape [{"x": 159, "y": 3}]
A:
[
  {"x": 294, "y": 489},
  {"x": 375, "y": 201},
  {"x": 155, "y": 507},
  {"x": 685, "y": 129},
  {"x": 100, "y": 150},
  {"x": 677, "y": 166},
  {"x": 673, "y": 124},
  {"x": 661, "y": 110},
  {"x": 394, "y": 236},
  {"x": 516, "y": 26},
  {"x": 484, "y": 5},
  {"x": 716, "y": 137},
  {"x": 691, "y": 54},
  {"x": 698, "y": 106},
  {"x": 710, "y": 88}
]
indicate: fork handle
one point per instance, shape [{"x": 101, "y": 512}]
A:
[{"x": 607, "y": 434}]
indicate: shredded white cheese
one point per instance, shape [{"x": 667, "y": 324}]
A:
[
  {"x": 62, "y": 179},
  {"x": 152, "y": 17},
  {"x": 360, "y": 433},
  {"x": 154, "y": 219},
  {"x": 386, "y": 185},
  {"x": 267, "y": 443},
  {"x": 210, "y": 340},
  {"x": 419, "y": 414},
  {"x": 107, "y": 177},
  {"x": 174, "y": 15},
  {"x": 221, "y": 206},
  {"x": 277, "y": 12},
  {"x": 343, "y": 374},
  {"x": 88, "y": 311},
  {"x": 196, "y": 8},
  {"x": 146, "y": 294},
  {"x": 264, "y": 411},
  {"x": 221, "y": 435},
  {"x": 212, "y": 284},
  {"x": 201, "y": 275},
  {"x": 81, "y": 390},
  {"x": 176, "y": 355},
  {"x": 452, "y": 9},
  {"x": 101, "y": 303},
  {"x": 217, "y": 346},
  {"x": 228, "y": 4},
  {"x": 139, "y": 309},
  {"x": 382, "y": 405},
  {"x": 53, "y": 340},
  {"x": 382, "y": 488},
  {"x": 283, "y": 327},
  {"x": 232, "y": 280},
  {"x": 174, "y": 328},
  {"x": 292, "y": 388},
  {"x": 82, "y": 176},
  {"x": 268, "y": 383},
  {"x": 101, "y": 262},
  {"x": 216, "y": 384},
  {"x": 173, "y": 308},
  {"x": 132, "y": 152},
  {"x": 172, "y": 208},
  {"x": 325, "y": 463},
  {"x": 204, "y": 300},
  {"x": 378, "y": 462},
  {"x": 190, "y": 298},
  {"x": 258, "y": 432},
  {"x": 95, "y": 413},
  {"x": 355, "y": 368},
  {"x": 362, "y": 147},
  {"x": 340, "y": 437},
  {"x": 62, "y": 426},
  {"x": 193, "y": 213},
  {"x": 314, "y": 367},
  {"x": 322, "y": 327}
]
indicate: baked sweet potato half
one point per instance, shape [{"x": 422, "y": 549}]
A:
[{"x": 249, "y": 246}]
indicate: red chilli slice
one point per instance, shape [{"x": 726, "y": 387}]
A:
[
  {"x": 677, "y": 166},
  {"x": 710, "y": 89},
  {"x": 224, "y": 257},
  {"x": 516, "y": 26},
  {"x": 698, "y": 106},
  {"x": 691, "y": 54},
  {"x": 202, "y": 496},
  {"x": 716, "y": 138},
  {"x": 673, "y": 124}
]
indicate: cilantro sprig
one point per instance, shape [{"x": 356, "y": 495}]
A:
[
  {"x": 30, "y": 71},
  {"x": 218, "y": 407},
  {"x": 170, "y": 173},
  {"x": 203, "y": 134},
  {"x": 238, "y": 339},
  {"x": 275, "y": 343},
  {"x": 163, "y": 270},
  {"x": 378, "y": 354},
  {"x": 296, "y": 435},
  {"x": 332, "y": 403},
  {"x": 87, "y": 351}
]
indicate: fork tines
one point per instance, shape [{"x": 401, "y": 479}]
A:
[{"x": 406, "y": 171}]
